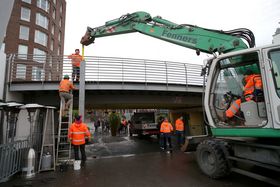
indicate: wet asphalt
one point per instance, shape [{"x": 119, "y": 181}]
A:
[{"x": 124, "y": 161}]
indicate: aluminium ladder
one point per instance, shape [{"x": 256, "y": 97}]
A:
[{"x": 63, "y": 153}]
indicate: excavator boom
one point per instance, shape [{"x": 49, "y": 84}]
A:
[{"x": 190, "y": 36}]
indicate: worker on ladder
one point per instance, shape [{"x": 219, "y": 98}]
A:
[{"x": 66, "y": 97}]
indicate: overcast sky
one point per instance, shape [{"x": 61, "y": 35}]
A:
[{"x": 260, "y": 16}]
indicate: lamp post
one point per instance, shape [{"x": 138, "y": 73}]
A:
[
  {"x": 2, "y": 106},
  {"x": 12, "y": 110},
  {"x": 33, "y": 111}
]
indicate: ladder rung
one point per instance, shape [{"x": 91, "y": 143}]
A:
[
  {"x": 63, "y": 159},
  {"x": 64, "y": 122},
  {"x": 64, "y": 129},
  {"x": 64, "y": 143},
  {"x": 48, "y": 145},
  {"x": 64, "y": 150}
]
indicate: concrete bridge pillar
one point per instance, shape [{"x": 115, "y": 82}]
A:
[{"x": 82, "y": 89}]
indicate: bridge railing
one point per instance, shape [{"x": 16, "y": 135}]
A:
[{"x": 104, "y": 69}]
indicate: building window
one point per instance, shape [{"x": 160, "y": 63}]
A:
[
  {"x": 54, "y": 1},
  {"x": 39, "y": 55},
  {"x": 24, "y": 32},
  {"x": 25, "y": 14},
  {"x": 60, "y": 22},
  {"x": 50, "y": 62},
  {"x": 37, "y": 74},
  {"x": 60, "y": 9},
  {"x": 53, "y": 29},
  {"x": 41, "y": 38},
  {"x": 42, "y": 20},
  {"x": 53, "y": 13},
  {"x": 3, "y": 47},
  {"x": 59, "y": 51},
  {"x": 59, "y": 36},
  {"x": 43, "y": 4},
  {"x": 21, "y": 71},
  {"x": 52, "y": 43},
  {"x": 22, "y": 51},
  {"x": 27, "y": 1}
]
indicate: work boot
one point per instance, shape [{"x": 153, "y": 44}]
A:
[{"x": 83, "y": 163}]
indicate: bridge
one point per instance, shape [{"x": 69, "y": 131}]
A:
[{"x": 109, "y": 81}]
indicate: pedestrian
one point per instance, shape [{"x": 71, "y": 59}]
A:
[
  {"x": 97, "y": 125},
  {"x": 165, "y": 132},
  {"x": 179, "y": 125},
  {"x": 124, "y": 124},
  {"x": 77, "y": 134},
  {"x": 76, "y": 59},
  {"x": 66, "y": 97},
  {"x": 106, "y": 122}
]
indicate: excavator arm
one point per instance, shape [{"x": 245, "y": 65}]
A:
[{"x": 190, "y": 36}]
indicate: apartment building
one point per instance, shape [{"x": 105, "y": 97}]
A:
[{"x": 36, "y": 27}]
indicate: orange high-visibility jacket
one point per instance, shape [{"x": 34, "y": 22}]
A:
[
  {"x": 66, "y": 85},
  {"x": 252, "y": 82},
  {"x": 166, "y": 127},
  {"x": 179, "y": 124},
  {"x": 76, "y": 59},
  {"x": 77, "y": 133}
]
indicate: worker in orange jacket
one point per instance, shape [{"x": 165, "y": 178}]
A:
[
  {"x": 253, "y": 85},
  {"x": 165, "y": 134},
  {"x": 65, "y": 94},
  {"x": 180, "y": 127},
  {"x": 76, "y": 59},
  {"x": 78, "y": 131}
]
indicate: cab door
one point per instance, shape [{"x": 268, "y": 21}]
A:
[{"x": 271, "y": 57}]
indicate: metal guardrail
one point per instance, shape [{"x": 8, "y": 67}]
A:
[
  {"x": 12, "y": 158},
  {"x": 104, "y": 69}
]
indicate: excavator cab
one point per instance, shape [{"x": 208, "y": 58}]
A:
[{"x": 228, "y": 93}]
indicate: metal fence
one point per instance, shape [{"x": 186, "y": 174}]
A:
[
  {"x": 12, "y": 158},
  {"x": 104, "y": 69}
]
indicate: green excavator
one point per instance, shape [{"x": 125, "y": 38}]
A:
[{"x": 250, "y": 139}]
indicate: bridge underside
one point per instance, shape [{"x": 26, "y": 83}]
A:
[{"x": 110, "y": 99}]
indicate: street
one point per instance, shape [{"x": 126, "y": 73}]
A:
[{"x": 132, "y": 162}]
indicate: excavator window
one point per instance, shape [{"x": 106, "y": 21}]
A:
[
  {"x": 229, "y": 87},
  {"x": 275, "y": 59}
]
